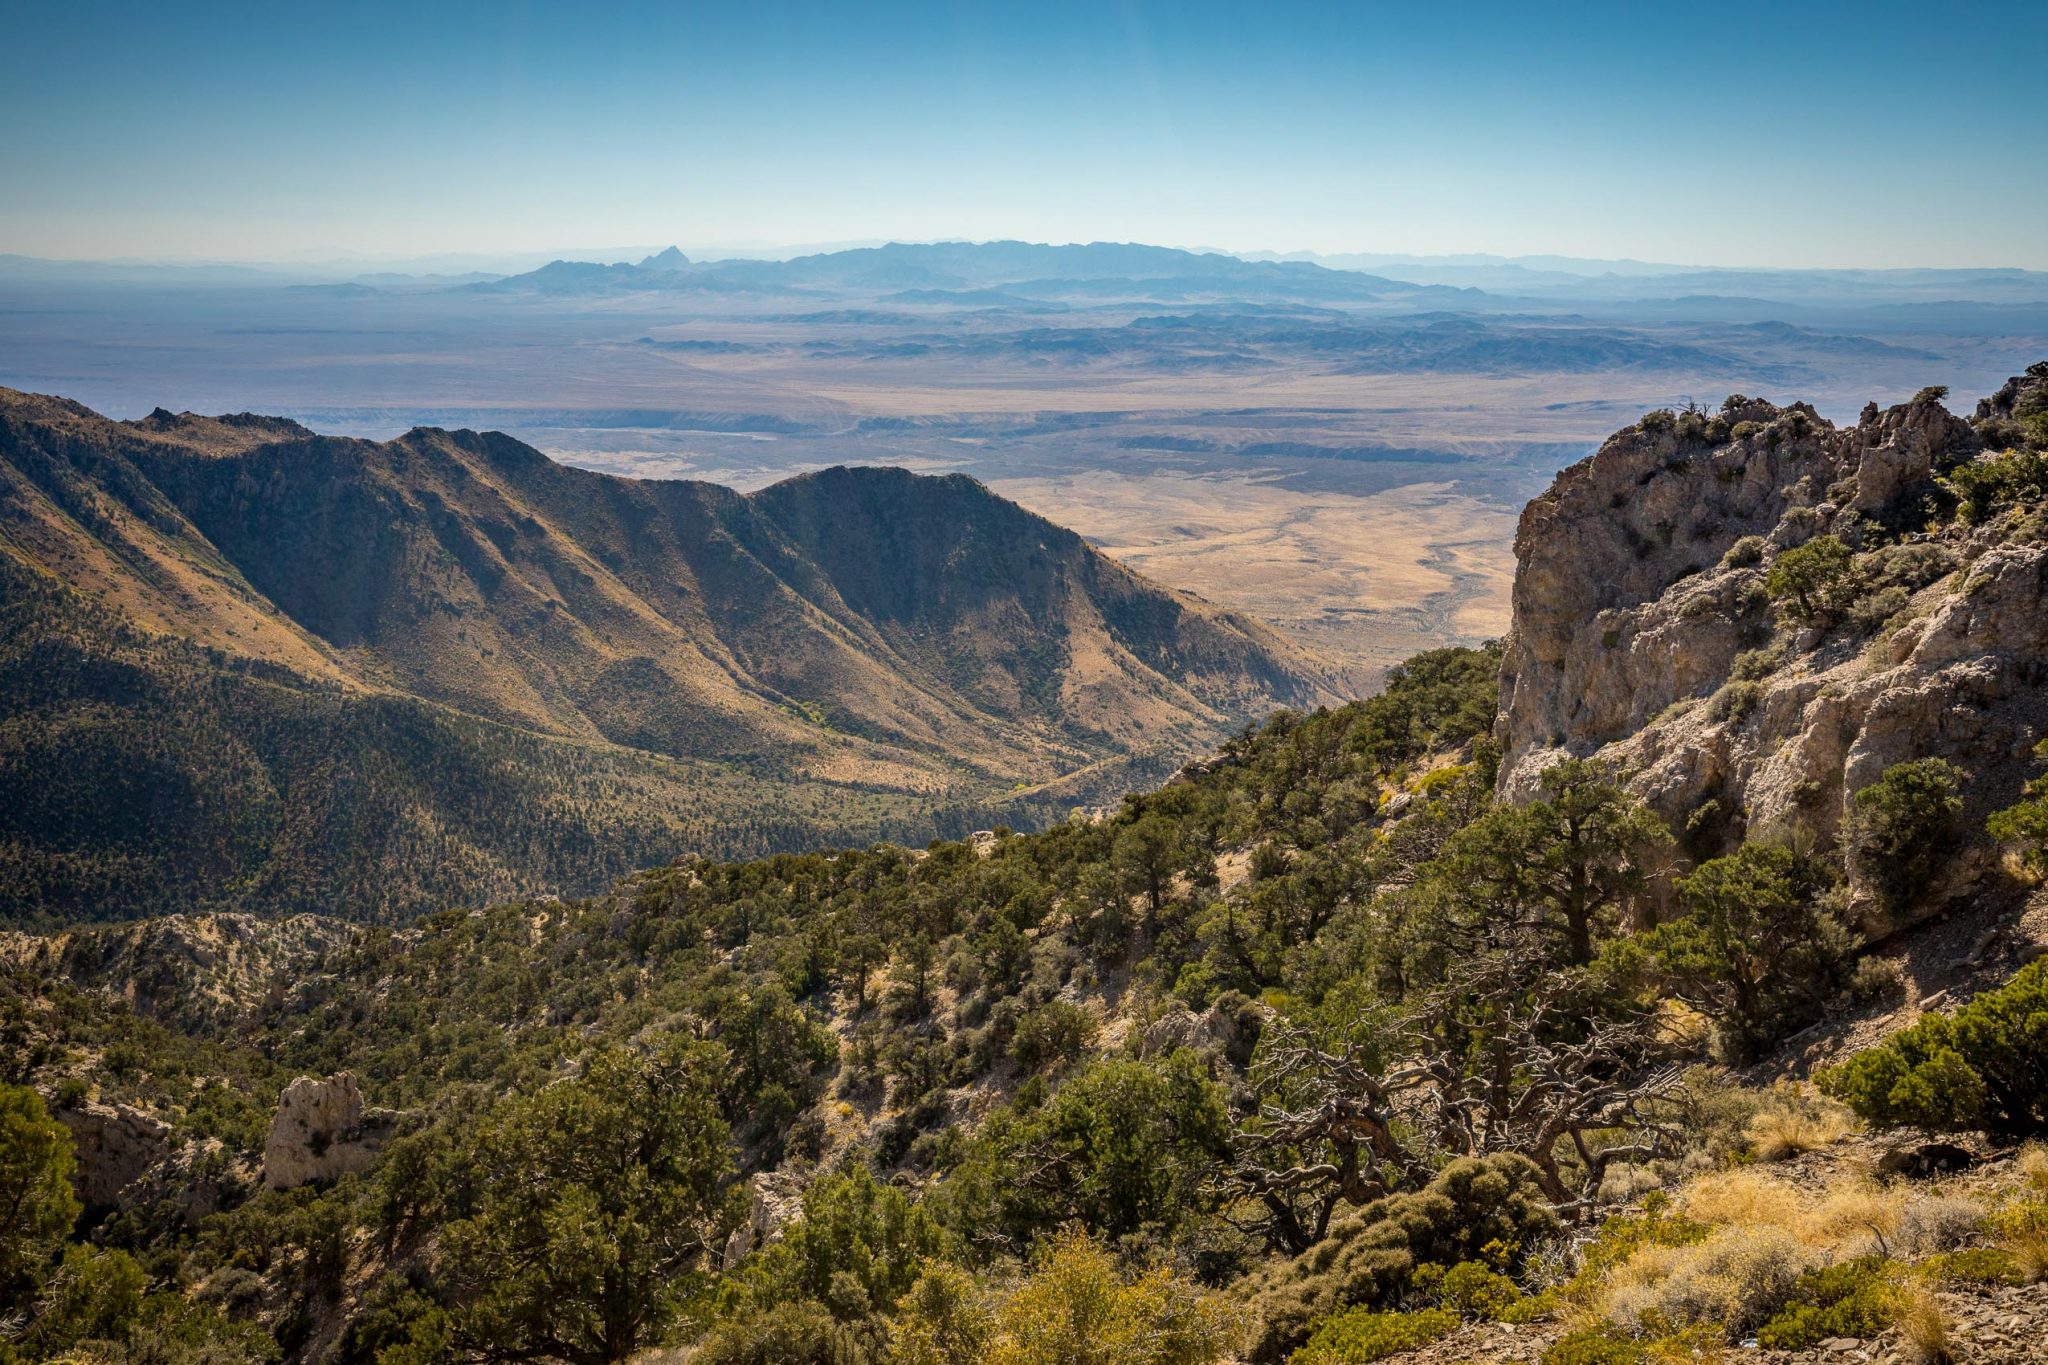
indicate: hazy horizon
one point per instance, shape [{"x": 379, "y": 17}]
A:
[{"x": 521, "y": 259}]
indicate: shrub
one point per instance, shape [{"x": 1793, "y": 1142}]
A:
[
  {"x": 2022, "y": 1232},
  {"x": 1074, "y": 1307},
  {"x": 1760, "y": 951},
  {"x": 1922, "y": 1324},
  {"x": 1620, "y": 1238},
  {"x": 1597, "y": 1345},
  {"x": 1986, "y": 1066},
  {"x": 93, "y": 1295},
  {"x": 1814, "y": 581},
  {"x": 1974, "y": 1265},
  {"x": 2025, "y": 824},
  {"x": 1877, "y": 978},
  {"x": 35, "y": 1187},
  {"x": 1734, "y": 701},
  {"x": 1732, "y": 1282},
  {"x": 1369, "y": 1257},
  {"x": 1747, "y": 551},
  {"x": 1053, "y": 1036},
  {"x": 1903, "y": 828},
  {"x": 1358, "y": 1335},
  {"x": 1845, "y": 1300},
  {"x": 1938, "y": 1223},
  {"x": 855, "y": 1234},
  {"x": 1872, "y": 611},
  {"x": 1471, "y": 1289},
  {"x": 944, "y": 1319},
  {"x": 1754, "y": 665},
  {"x": 1991, "y": 482},
  {"x": 800, "y": 1333}
]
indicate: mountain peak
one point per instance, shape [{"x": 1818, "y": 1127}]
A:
[
  {"x": 917, "y": 640},
  {"x": 670, "y": 259}
]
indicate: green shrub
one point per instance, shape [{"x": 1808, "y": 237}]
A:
[
  {"x": 1992, "y": 482},
  {"x": 1358, "y": 1335},
  {"x": 1621, "y": 1237},
  {"x": 1845, "y": 1300},
  {"x": 35, "y": 1187},
  {"x": 1734, "y": 701},
  {"x": 1815, "y": 581},
  {"x": 1053, "y": 1036},
  {"x": 1904, "y": 828},
  {"x": 1371, "y": 1256},
  {"x": 801, "y": 1333},
  {"x": 2025, "y": 824},
  {"x": 1975, "y": 1265},
  {"x": 1747, "y": 551},
  {"x": 93, "y": 1295},
  {"x": 1873, "y": 611},
  {"x": 1471, "y": 1289},
  {"x": 1755, "y": 665},
  {"x": 1600, "y": 1345},
  {"x": 1759, "y": 950},
  {"x": 1986, "y": 1066}
]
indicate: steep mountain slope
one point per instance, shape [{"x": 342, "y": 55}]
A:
[
  {"x": 205, "y": 615},
  {"x": 1756, "y": 614}
]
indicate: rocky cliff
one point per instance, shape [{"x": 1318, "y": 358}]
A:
[{"x": 1663, "y": 622}]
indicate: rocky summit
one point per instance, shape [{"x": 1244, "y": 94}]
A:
[{"x": 1753, "y": 613}]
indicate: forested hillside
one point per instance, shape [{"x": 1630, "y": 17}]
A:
[
  {"x": 248, "y": 667},
  {"x": 1346, "y": 1043}
]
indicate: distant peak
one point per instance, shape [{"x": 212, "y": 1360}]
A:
[{"x": 671, "y": 259}]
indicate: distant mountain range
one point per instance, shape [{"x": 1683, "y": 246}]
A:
[
  {"x": 1097, "y": 270},
  {"x": 1000, "y": 272},
  {"x": 246, "y": 666}
]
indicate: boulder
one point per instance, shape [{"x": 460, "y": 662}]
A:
[
  {"x": 322, "y": 1131},
  {"x": 776, "y": 1199},
  {"x": 1920, "y": 1160}
]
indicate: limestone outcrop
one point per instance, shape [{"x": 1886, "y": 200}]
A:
[
  {"x": 1644, "y": 631},
  {"x": 322, "y": 1131},
  {"x": 118, "y": 1147}
]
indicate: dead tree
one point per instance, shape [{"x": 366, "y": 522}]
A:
[{"x": 1503, "y": 1058}]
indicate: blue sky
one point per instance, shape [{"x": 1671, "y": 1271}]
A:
[{"x": 1873, "y": 134}]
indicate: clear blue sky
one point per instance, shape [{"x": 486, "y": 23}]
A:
[{"x": 1788, "y": 133}]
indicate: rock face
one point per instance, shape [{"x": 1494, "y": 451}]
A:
[
  {"x": 118, "y": 1147},
  {"x": 322, "y": 1131},
  {"x": 1231, "y": 1032},
  {"x": 130, "y": 1159},
  {"x": 1643, "y": 631},
  {"x": 776, "y": 1199}
]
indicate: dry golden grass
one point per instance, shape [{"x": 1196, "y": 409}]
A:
[
  {"x": 2032, "y": 1164},
  {"x": 1793, "y": 1125},
  {"x": 1922, "y": 1324},
  {"x": 1858, "y": 1218},
  {"x": 2022, "y": 1229},
  {"x": 1853, "y": 1216},
  {"x": 2020, "y": 1222}
]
